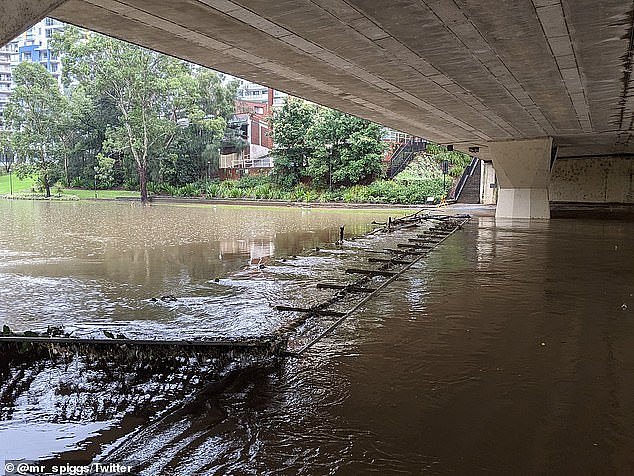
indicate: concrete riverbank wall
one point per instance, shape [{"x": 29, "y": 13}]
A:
[{"x": 593, "y": 180}]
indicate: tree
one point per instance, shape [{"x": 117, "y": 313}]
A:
[
  {"x": 327, "y": 146},
  {"x": 33, "y": 114},
  {"x": 347, "y": 150},
  {"x": 104, "y": 176},
  {"x": 7, "y": 155},
  {"x": 215, "y": 99},
  {"x": 193, "y": 154},
  {"x": 292, "y": 148},
  {"x": 168, "y": 113},
  {"x": 76, "y": 128},
  {"x": 194, "y": 149}
]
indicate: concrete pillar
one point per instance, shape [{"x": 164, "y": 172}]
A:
[
  {"x": 488, "y": 183},
  {"x": 18, "y": 15},
  {"x": 523, "y": 172}
]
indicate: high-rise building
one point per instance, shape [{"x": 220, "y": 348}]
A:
[
  {"x": 34, "y": 45},
  {"x": 5, "y": 75}
]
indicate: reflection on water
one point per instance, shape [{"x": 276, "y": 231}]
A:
[
  {"x": 100, "y": 266},
  {"x": 506, "y": 351},
  {"x": 509, "y": 349},
  {"x": 91, "y": 266}
]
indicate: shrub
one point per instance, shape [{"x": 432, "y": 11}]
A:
[
  {"x": 212, "y": 189},
  {"x": 188, "y": 190},
  {"x": 79, "y": 182}
]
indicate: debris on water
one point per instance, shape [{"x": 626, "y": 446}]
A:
[
  {"x": 143, "y": 374},
  {"x": 341, "y": 235},
  {"x": 624, "y": 307},
  {"x": 54, "y": 331},
  {"x": 543, "y": 344},
  {"x": 166, "y": 298}
]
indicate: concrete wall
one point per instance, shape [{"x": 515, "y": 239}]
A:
[
  {"x": 258, "y": 151},
  {"x": 488, "y": 183},
  {"x": 595, "y": 179}
]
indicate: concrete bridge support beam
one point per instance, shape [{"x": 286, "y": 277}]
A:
[
  {"x": 15, "y": 17},
  {"x": 523, "y": 172}
]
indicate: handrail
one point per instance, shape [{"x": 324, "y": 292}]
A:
[
  {"x": 403, "y": 156},
  {"x": 468, "y": 172},
  {"x": 399, "y": 150}
]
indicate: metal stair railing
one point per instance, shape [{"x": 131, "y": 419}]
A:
[
  {"x": 403, "y": 156},
  {"x": 468, "y": 172}
]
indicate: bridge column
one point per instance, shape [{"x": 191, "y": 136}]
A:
[{"x": 522, "y": 168}]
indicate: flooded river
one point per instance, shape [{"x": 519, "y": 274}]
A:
[{"x": 508, "y": 349}]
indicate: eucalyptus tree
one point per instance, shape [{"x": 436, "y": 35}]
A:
[
  {"x": 165, "y": 107},
  {"x": 136, "y": 80},
  {"x": 7, "y": 155},
  {"x": 33, "y": 117}
]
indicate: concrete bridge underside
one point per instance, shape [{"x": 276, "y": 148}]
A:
[{"x": 473, "y": 73}]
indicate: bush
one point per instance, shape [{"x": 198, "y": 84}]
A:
[
  {"x": 259, "y": 187},
  {"x": 212, "y": 189},
  {"x": 79, "y": 182},
  {"x": 189, "y": 190},
  {"x": 131, "y": 183},
  {"x": 250, "y": 181}
]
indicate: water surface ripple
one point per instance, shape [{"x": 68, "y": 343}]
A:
[{"x": 509, "y": 349}]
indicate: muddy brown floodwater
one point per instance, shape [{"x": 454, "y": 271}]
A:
[{"x": 508, "y": 349}]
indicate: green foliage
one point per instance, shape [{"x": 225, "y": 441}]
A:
[
  {"x": 163, "y": 118},
  {"x": 104, "y": 171},
  {"x": 211, "y": 156},
  {"x": 383, "y": 191},
  {"x": 423, "y": 167},
  {"x": 427, "y": 168},
  {"x": 347, "y": 150},
  {"x": 25, "y": 170},
  {"x": 328, "y": 147},
  {"x": 216, "y": 99},
  {"x": 32, "y": 114},
  {"x": 263, "y": 188},
  {"x": 290, "y": 126},
  {"x": 6, "y": 148},
  {"x": 458, "y": 161}
]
